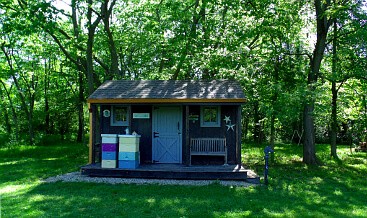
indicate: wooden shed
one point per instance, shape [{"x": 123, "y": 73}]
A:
[{"x": 180, "y": 126}]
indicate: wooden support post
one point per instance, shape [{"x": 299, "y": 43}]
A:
[
  {"x": 93, "y": 133},
  {"x": 187, "y": 136},
  {"x": 90, "y": 132},
  {"x": 238, "y": 136}
]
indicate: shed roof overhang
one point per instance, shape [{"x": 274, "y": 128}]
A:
[
  {"x": 238, "y": 101},
  {"x": 183, "y": 92}
]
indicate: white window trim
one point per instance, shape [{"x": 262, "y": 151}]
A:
[
  {"x": 210, "y": 124},
  {"x": 119, "y": 123}
]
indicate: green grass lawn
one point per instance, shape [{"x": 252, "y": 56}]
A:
[{"x": 335, "y": 189}]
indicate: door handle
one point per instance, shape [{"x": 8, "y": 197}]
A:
[
  {"x": 155, "y": 134},
  {"x": 178, "y": 126}
]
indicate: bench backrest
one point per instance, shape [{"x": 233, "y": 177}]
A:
[{"x": 208, "y": 145}]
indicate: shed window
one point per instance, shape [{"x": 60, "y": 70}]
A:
[
  {"x": 120, "y": 116},
  {"x": 210, "y": 116}
]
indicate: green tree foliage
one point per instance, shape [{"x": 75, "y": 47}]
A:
[{"x": 52, "y": 58}]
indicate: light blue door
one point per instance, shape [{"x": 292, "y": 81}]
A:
[{"x": 167, "y": 129}]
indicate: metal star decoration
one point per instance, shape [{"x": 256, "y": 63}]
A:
[
  {"x": 227, "y": 119},
  {"x": 230, "y": 126}
]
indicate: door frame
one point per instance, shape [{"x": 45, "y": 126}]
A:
[{"x": 154, "y": 120}]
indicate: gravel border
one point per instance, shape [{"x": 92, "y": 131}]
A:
[{"x": 78, "y": 177}]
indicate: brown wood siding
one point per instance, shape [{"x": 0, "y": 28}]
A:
[
  {"x": 216, "y": 132},
  {"x": 144, "y": 128},
  {"x": 106, "y": 127}
]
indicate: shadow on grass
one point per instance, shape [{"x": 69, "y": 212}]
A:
[
  {"x": 300, "y": 199},
  {"x": 296, "y": 190},
  {"x": 31, "y": 163},
  {"x": 70, "y": 150},
  {"x": 339, "y": 184}
]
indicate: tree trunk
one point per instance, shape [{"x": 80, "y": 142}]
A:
[
  {"x": 90, "y": 51},
  {"x": 114, "y": 70},
  {"x": 261, "y": 133},
  {"x": 195, "y": 21},
  {"x": 47, "y": 107},
  {"x": 272, "y": 131},
  {"x": 309, "y": 151},
  {"x": 32, "y": 97},
  {"x": 334, "y": 125},
  {"x": 365, "y": 112},
  {"x": 257, "y": 122},
  {"x": 179, "y": 66},
  {"x": 6, "y": 115},
  {"x": 31, "y": 130},
  {"x": 15, "y": 118},
  {"x": 80, "y": 109},
  {"x": 161, "y": 65},
  {"x": 273, "y": 103},
  {"x": 91, "y": 32},
  {"x": 27, "y": 111},
  {"x": 246, "y": 127},
  {"x": 74, "y": 17},
  {"x": 334, "y": 92}
]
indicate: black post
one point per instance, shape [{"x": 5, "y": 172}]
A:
[{"x": 266, "y": 151}]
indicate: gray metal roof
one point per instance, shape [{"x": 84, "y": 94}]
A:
[{"x": 168, "y": 89}]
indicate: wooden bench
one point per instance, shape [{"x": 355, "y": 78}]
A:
[{"x": 209, "y": 146}]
